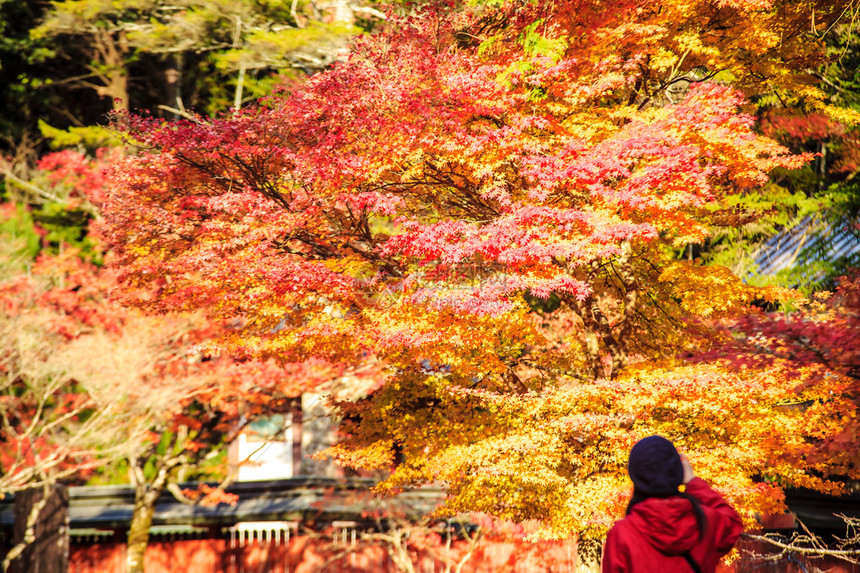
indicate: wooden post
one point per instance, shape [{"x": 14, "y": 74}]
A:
[{"x": 296, "y": 426}]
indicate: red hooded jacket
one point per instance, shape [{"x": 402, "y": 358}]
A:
[{"x": 658, "y": 531}]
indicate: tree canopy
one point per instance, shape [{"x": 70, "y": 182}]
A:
[
  {"x": 491, "y": 200},
  {"x": 95, "y": 391}
]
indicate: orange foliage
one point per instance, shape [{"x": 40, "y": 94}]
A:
[{"x": 488, "y": 201}]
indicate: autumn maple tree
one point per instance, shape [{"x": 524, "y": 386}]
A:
[
  {"x": 490, "y": 200},
  {"x": 47, "y": 429},
  {"x": 53, "y": 429},
  {"x": 90, "y": 386},
  {"x": 818, "y": 340},
  {"x": 184, "y": 405}
]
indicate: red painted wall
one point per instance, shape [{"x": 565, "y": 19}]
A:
[{"x": 304, "y": 554}]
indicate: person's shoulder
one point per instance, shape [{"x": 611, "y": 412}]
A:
[{"x": 622, "y": 528}]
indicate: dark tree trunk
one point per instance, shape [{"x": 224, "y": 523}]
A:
[{"x": 46, "y": 547}]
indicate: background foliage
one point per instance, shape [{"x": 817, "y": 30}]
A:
[{"x": 539, "y": 224}]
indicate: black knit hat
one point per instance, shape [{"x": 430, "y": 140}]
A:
[{"x": 655, "y": 468}]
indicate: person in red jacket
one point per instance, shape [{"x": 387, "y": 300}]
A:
[{"x": 675, "y": 522}]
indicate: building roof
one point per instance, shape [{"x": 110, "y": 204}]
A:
[
  {"x": 809, "y": 240},
  {"x": 310, "y": 500}
]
